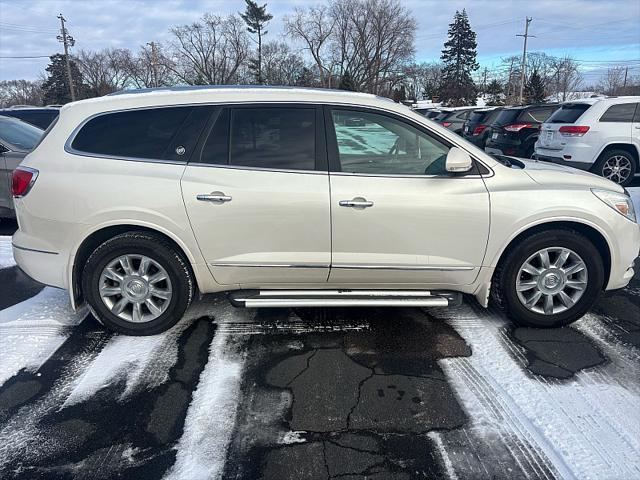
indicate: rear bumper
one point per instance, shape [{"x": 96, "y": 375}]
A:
[
  {"x": 562, "y": 161},
  {"x": 43, "y": 266}
]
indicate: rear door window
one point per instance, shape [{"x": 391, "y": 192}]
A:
[
  {"x": 537, "y": 114},
  {"x": 568, "y": 113},
  {"x": 507, "y": 116},
  {"x": 150, "y": 133},
  {"x": 621, "y": 113}
]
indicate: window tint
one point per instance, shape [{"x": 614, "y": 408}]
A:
[
  {"x": 216, "y": 147},
  {"x": 282, "y": 138},
  {"x": 619, "y": 113},
  {"x": 479, "y": 116},
  {"x": 18, "y": 133},
  {"x": 41, "y": 119},
  {"x": 144, "y": 133},
  {"x": 637, "y": 117},
  {"x": 537, "y": 115},
  {"x": 568, "y": 113},
  {"x": 377, "y": 144},
  {"x": 507, "y": 116}
]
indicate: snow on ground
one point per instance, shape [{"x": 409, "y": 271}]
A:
[
  {"x": 635, "y": 195},
  {"x": 32, "y": 330},
  {"x": 586, "y": 427},
  {"x": 6, "y": 253},
  {"x": 202, "y": 449}
]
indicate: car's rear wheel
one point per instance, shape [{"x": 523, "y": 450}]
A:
[
  {"x": 616, "y": 165},
  {"x": 137, "y": 283},
  {"x": 549, "y": 280}
]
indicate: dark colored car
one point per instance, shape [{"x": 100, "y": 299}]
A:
[
  {"x": 516, "y": 129},
  {"x": 477, "y": 127},
  {"x": 454, "y": 119},
  {"x": 41, "y": 117},
  {"x": 429, "y": 112}
]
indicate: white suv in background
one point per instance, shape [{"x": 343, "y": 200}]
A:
[
  {"x": 601, "y": 135},
  {"x": 303, "y": 198}
]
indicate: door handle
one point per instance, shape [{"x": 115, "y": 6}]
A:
[
  {"x": 214, "y": 197},
  {"x": 357, "y": 202}
]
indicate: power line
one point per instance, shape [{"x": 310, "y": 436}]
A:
[
  {"x": 68, "y": 41},
  {"x": 29, "y": 56},
  {"x": 524, "y": 54}
]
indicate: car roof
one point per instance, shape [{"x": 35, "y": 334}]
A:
[{"x": 22, "y": 109}]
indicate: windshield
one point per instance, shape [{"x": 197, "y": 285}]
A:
[
  {"x": 19, "y": 134},
  {"x": 507, "y": 116},
  {"x": 568, "y": 113}
]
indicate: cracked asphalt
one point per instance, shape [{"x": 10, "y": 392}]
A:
[{"x": 322, "y": 394}]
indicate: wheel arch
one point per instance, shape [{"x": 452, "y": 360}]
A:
[
  {"x": 627, "y": 147},
  {"x": 102, "y": 234},
  {"x": 591, "y": 233}
]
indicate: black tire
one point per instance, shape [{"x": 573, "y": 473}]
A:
[
  {"x": 161, "y": 251},
  {"x": 598, "y": 167},
  {"x": 504, "y": 294}
]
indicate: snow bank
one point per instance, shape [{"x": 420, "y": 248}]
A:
[
  {"x": 6, "y": 253},
  {"x": 32, "y": 330}
]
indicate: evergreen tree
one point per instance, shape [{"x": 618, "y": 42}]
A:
[
  {"x": 459, "y": 58},
  {"x": 495, "y": 90},
  {"x": 56, "y": 86},
  {"x": 534, "y": 89},
  {"x": 346, "y": 82},
  {"x": 256, "y": 18},
  {"x": 306, "y": 78}
]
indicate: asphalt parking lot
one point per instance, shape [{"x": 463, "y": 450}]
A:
[{"x": 327, "y": 393}]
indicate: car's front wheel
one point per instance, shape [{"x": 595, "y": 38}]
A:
[
  {"x": 137, "y": 283},
  {"x": 550, "y": 279}
]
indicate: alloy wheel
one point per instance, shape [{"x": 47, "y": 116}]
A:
[
  {"x": 617, "y": 168},
  {"x": 135, "y": 288},
  {"x": 552, "y": 280}
]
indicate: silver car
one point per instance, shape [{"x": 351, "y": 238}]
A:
[{"x": 17, "y": 138}]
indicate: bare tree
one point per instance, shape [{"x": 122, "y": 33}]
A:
[
  {"x": 612, "y": 81},
  {"x": 313, "y": 26},
  {"x": 145, "y": 69},
  {"x": 566, "y": 77},
  {"x": 422, "y": 80},
  {"x": 280, "y": 66},
  {"x": 210, "y": 51},
  {"x": 104, "y": 71},
  {"x": 20, "y": 92}
]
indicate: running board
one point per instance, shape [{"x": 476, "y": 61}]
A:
[{"x": 343, "y": 298}]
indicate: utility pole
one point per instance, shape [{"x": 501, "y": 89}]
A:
[
  {"x": 154, "y": 63},
  {"x": 524, "y": 55},
  {"x": 68, "y": 41},
  {"x": 624, "y": 85}
]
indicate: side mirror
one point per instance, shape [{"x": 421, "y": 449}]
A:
[{"x": 458, "y": 161}]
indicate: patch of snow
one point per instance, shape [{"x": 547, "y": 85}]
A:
[
  {"x": 6, "y": 252},
  {"x": 202, "y": 449},
  {"x": 635, "y": 196},
  {"x": 293, "y": 437},
  {"x": 32, "y": 330},
  {"x": 585, "y": 427}
]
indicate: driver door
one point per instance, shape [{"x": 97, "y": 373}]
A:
[{"x": 397, "y": 216}]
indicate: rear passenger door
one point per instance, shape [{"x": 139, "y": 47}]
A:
[{"x": 257, "y": 195}]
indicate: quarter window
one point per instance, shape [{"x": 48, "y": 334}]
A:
[
  {"x": 370, "y": 143},
  {"x": 621, "y": 113},
  {"x": 145, "y": 133},
  {"x": 277, "y": 138}
]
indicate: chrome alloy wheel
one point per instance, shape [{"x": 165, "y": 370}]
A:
[
  {"x": 552, "y": 280},
  {"x": 617, "y": 169},
  {"x": 135, "y": 288}
]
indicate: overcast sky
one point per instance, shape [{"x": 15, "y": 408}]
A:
[{"x": 597, "y": 32}]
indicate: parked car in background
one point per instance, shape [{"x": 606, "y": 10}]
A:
[
  {"x": 477, "y": 127},
  {"x": 17, "y": 138},
  {"x": 601, "y": 135},
  {"x": 516, "y": 129},
  {"x": 41, "y": 117},
  {"x": 454, "y": 118},
  {"x": 135, "y": 202}
]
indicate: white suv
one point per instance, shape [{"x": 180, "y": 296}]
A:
[
  {"x": 300, "y": 198},
  {"x": 597, "y": 134}
]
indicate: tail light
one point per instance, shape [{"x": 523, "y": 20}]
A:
[
  {"x": 479, "y": 129},
  {"x": 573, "y": 130},
  {"x": 446, "y": 124},
  {"x": 22, "y": 180},
  {"x": 516, "y": 127}
]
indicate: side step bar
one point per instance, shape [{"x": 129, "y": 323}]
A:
[{"x": 343, "y": 298}]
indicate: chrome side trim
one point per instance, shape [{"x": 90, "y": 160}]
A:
[
  {"x": 345, "y": 293},
  {"x": 269, "y": 265},
  {"x": 32, "y": 249},
  {"x": 402, "y": 267},
  {"x": 343, "y": 302}
]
